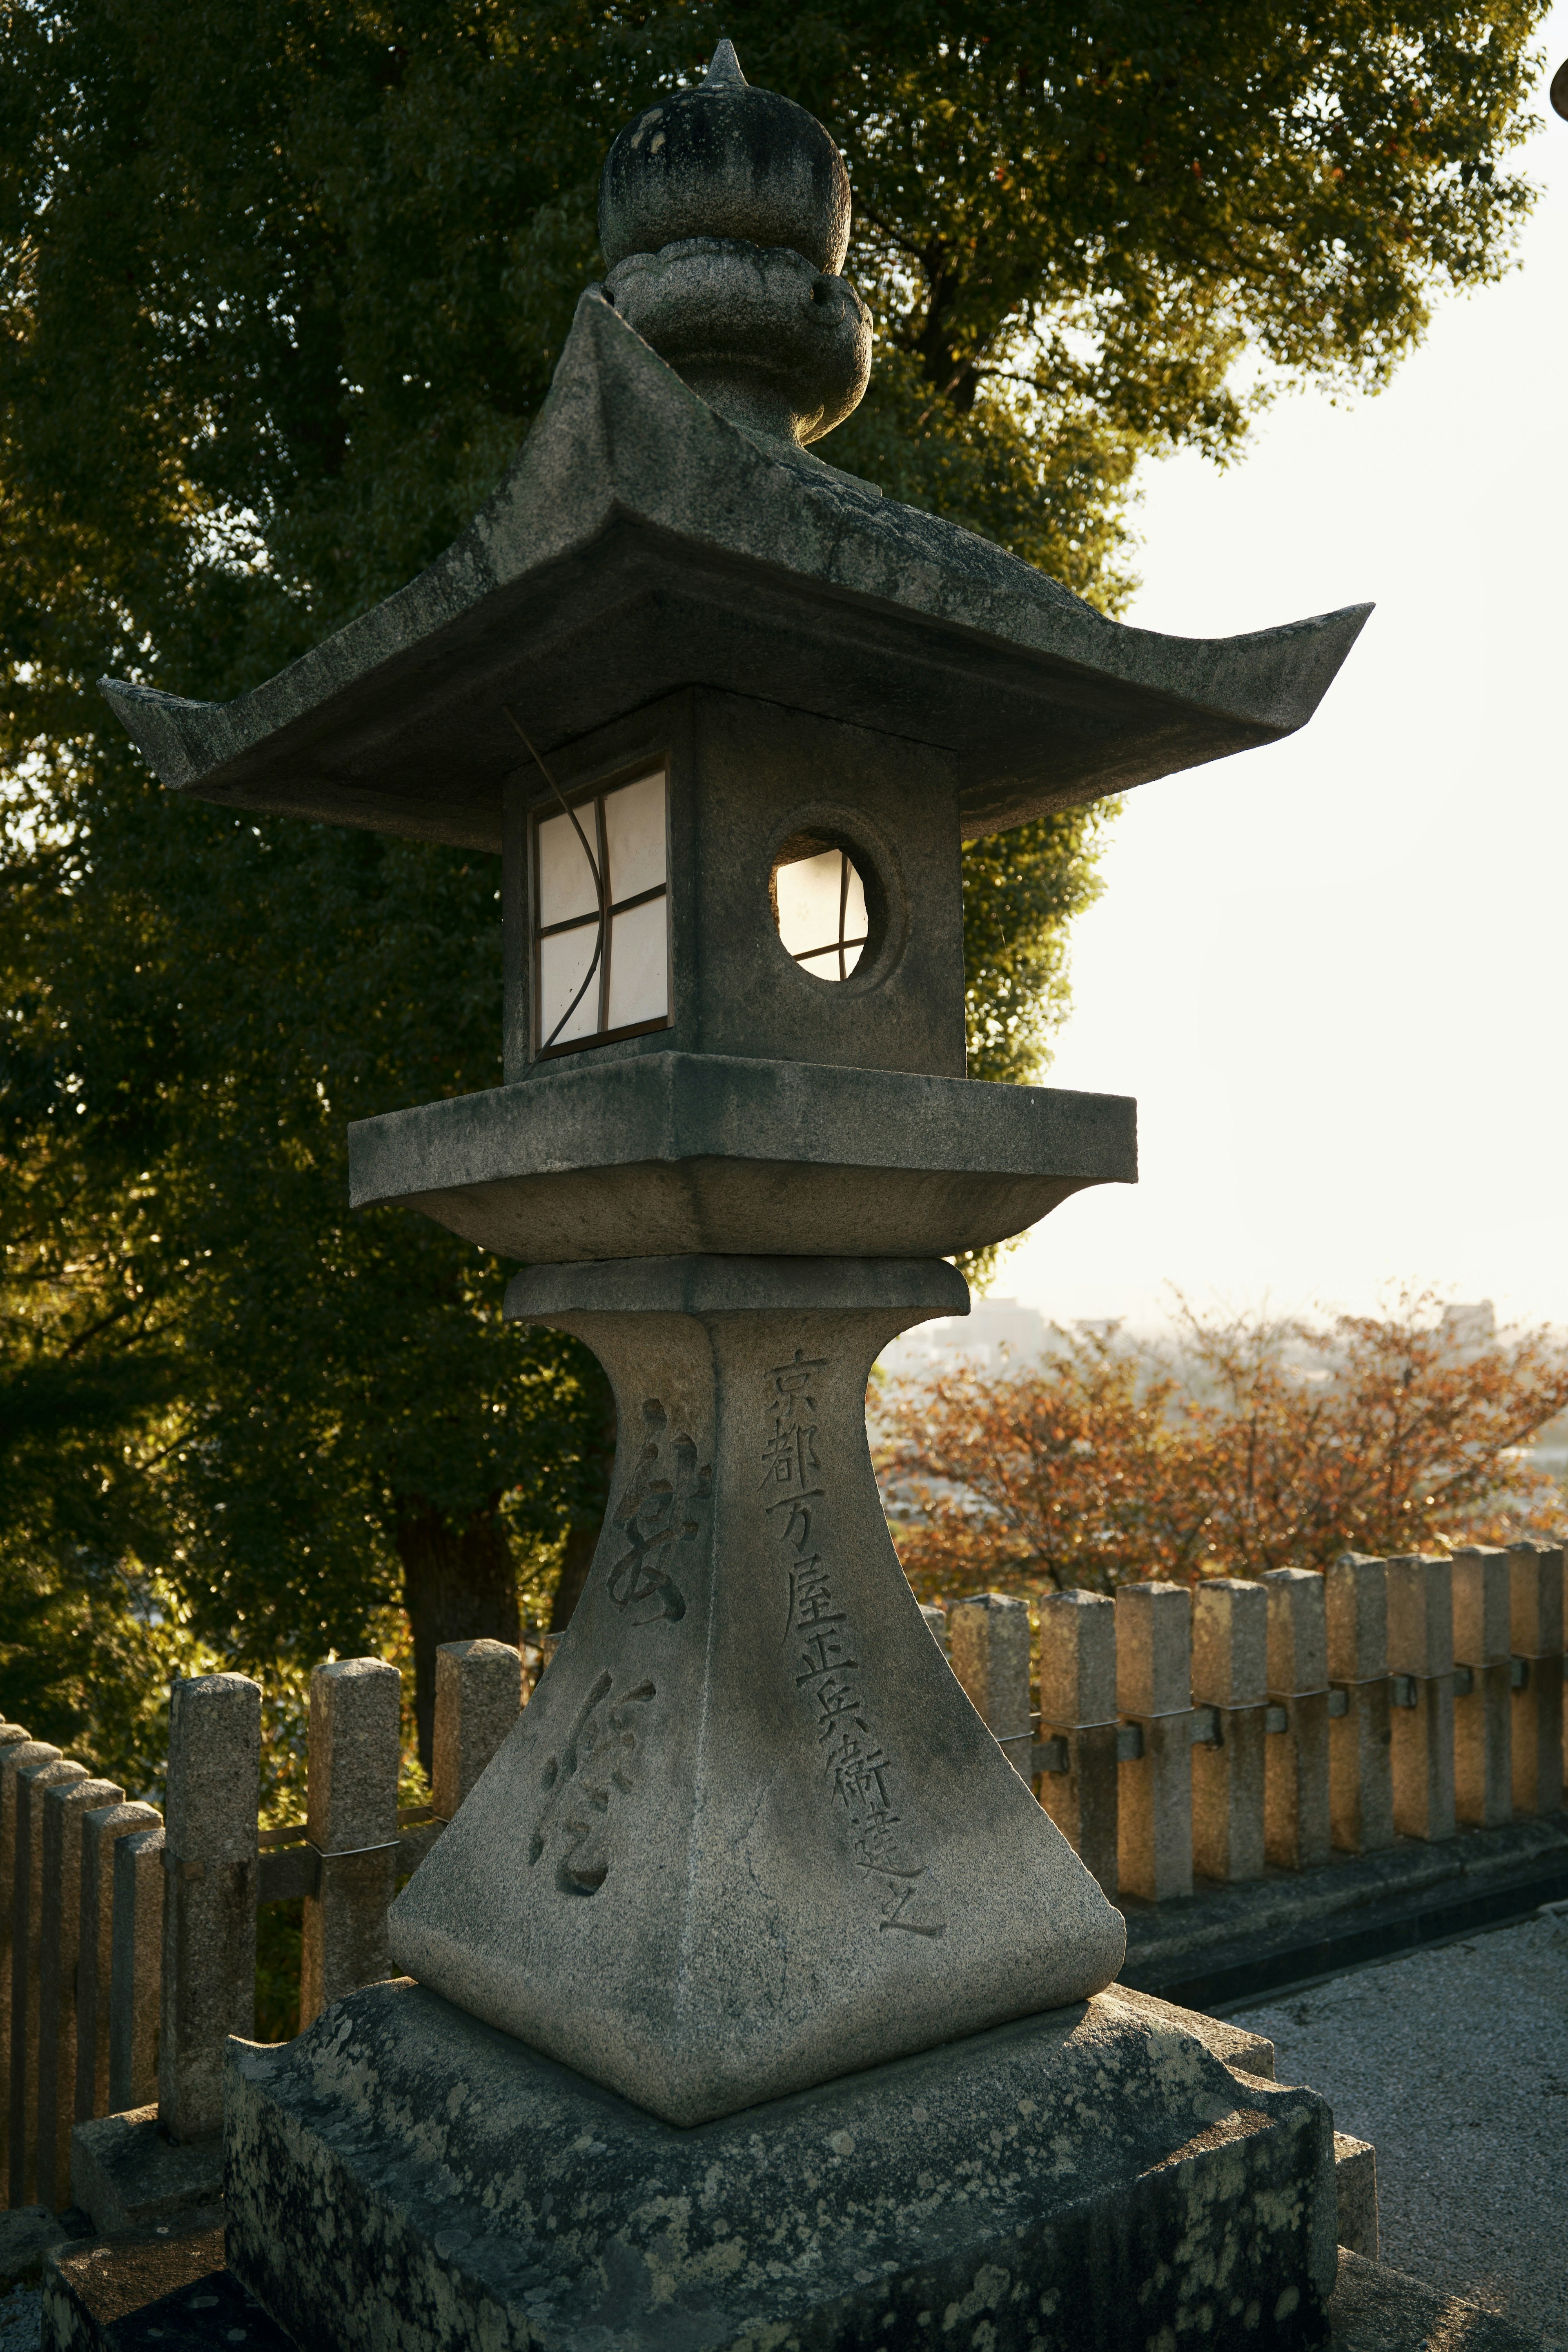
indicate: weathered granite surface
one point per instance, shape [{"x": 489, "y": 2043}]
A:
[
  {"x": 404, "y": 2176},
  {"x": 1377, "y": 2309},
  {"x": 724, "y": 215},
  {"x": 28, "y": 2232},
  {"x": 1372, "y": 2309},
  {"x": 636, "y": 515},
  {"x": 724, "y": 159},
  {"x": 748, "y": 1832},
  {"x": 668, "y": 1154},
  {"x": 756, "y": 304},
  {"x": 128, "y": 2174}
]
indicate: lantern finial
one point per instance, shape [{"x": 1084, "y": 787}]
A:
[
  {"x": 725, "y": 217},
  {"x": 724, "y": 73}
]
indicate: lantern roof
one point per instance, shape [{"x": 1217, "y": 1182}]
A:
[{"x": 641, "y": 543}]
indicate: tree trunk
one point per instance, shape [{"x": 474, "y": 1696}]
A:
[
  {"x": 459, "y": 1584},
  {"x": 576, "y": 1560}
]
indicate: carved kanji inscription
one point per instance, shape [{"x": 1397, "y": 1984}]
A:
[
  {"x": 658, "y": 1513},
  {"x": 595, "y": 1768},
  {"x": 824, "y": 1653}
]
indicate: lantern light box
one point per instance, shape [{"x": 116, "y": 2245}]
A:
[{"x": 600, "y": 917}]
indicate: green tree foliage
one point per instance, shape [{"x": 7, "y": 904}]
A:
[
  {"x": 1021, "y": 891},
  {"x": 280, "y": 289},
  {"x": 343, "y": 1404}
]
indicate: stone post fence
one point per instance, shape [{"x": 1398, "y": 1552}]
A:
[
  {"x": 1240, "y": 1729},
  {"x": 128, "y": 1937},
  {"x": 1186, "y": 1742}
]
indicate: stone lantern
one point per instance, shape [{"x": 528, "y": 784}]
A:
[{"x": 728, "y": 715}]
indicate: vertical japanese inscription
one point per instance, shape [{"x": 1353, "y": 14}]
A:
[
  {"x": 823, "y": 1649},
  {"x": 654, "y": 1517},
  {"x": 581, "y": 1781},
  {"x": 598, "y": 1766}
]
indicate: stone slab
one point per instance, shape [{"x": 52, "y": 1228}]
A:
[
  {"x": 402, "y": 2174},
  {"x": 128, "y": 2174},
  {"x": 1236, "y": 2046},
  {"x": 1355, "y": 2184},
  {"x": 636, "y": 515},
  {"x": 168, "y": 2288},
  {"x": 1375, "y": 2309},
  {"x": 28, "y": 2232},
  {"x": 668, "y": 1154}
]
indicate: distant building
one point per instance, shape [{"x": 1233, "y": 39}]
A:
[
  {"x": 1468, "y": 1326},
  {"x": 997, "y": 1334}
]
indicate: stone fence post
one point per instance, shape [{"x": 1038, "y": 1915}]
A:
[
  {"x": 34, "y": 1782},
  {"x": 15, "y": 1751},
  {"x": 136, "y": 1969},
  {"x": 1296, "y": 1785},
  {"x": 1230, "y": 1656},
  {"x": 1078, "y": 1725},
  {"x": 1421, "y": 1663},
  {"x": 1483, "y": 1770},
  {"x": 1360, "y": 1776},
  {"x": 480, "y": 1690},
  {"x": 103, "y": 1827},
  {"x": 59, "y": 1942},
  {"x": 1536, "y": 1631},
  {"x": 355, "y": 1747},
  {"x": 208, "y": 1989},
  {"x": 988, "y": 1644},
  {"x": 1154, "y": 1693}
]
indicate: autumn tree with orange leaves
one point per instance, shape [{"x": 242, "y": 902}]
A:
[{"x": 1242, "y": 1445}]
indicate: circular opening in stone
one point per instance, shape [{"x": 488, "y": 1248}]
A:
[{"x": 818, "y": 897}]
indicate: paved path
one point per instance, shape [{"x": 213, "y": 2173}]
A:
[{"x": 1454, "y": 2063}]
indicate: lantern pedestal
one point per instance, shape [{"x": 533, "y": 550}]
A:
[
  {"x": 749, "y": 1833},
  {"x": 1095, "y": 2180}
]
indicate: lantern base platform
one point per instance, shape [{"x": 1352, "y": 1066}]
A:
[
  {"x": 668, "y": 1155},
  {"x": 1073, "y": 2182}
]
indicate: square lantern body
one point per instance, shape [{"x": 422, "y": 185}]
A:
[
  {"x": 818, "y": 672},
  {"x": 757, "y": 799}
]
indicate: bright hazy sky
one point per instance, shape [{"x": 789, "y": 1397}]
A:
[{"x": 1334, "y": 972}]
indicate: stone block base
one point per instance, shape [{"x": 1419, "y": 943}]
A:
[
  {"x": 130, "y": 2295},
  {"x": 1094, "y": 2179},
  {"x": 28, "y": 2232},
  {"x": 129, "y": 2175}
]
